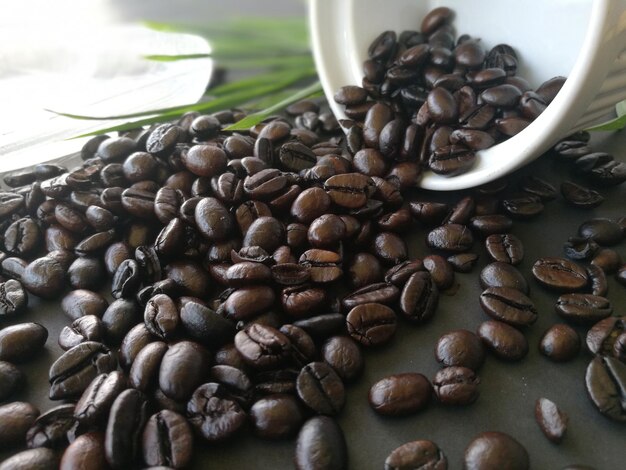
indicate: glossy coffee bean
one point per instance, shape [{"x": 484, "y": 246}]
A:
[
  {"x": 344, "y": 355},
  {"x": 13, "y": 298},
  {"x": 320, "y": 388},
  {"x": 44, "y": 277},
  {"x": 451, "y": 160},
  {"x": 263, "y": 346},
  {"x": 182, "y": 369},
  {"x": 321, "y": 445},
  {"x": 276, "y": 416},
  {"x": 504, "y": 341},
  {"x": 400, "y": 394},
  {"x": 460, "y": 348},
  {"x": 167, "y": 440},
  {"x": 128, "y": 416},
  {"x": 583, "y": 308},
  {"x": 213, "y": 414},
  {"x": 371, "y": 324},
  {"x": 12, "y": 380},
  {"x": 508, "y": 305},
  {"x": 605, "y": 380},
  {"x": 51, "y": 428},
  {"x": 85, "y": 328},
  {"x": 82, "y": 302},
  {"x": 605, "y": 232},
  {"x": 416, "y": 454},
  {"x": 16, "y": 418},
  {"x": 22, "y": 341},
  {"x": 95, "y": 402},
  {"x": 560, "y": 343},
  {"x": 559, "y": 274},
  {"x": 551, "y": 420},
  {"x": 607, "y": 337},
  {"x": 85, "y": 453},
  {"x": 32, "y": 459},
  {"x": 500, "y": 274},
  {"x": 495, "y": 450},
  {"x": 454, "y": 238},
  {"x": 380, "y": 292},
  {"x": 456, "y": 386},
  {"x": 144, "y": 371},
  {"x": 580, "y": 196},
  {"x": 440, "y": 271}
]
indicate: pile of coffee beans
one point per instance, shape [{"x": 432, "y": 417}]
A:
[
  {"x": 429, "y": 100},
  {"x": 219, "y": 283}
]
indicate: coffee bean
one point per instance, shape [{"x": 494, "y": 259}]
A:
[
  {"x": 551, "y": 420},
  {"x": 262, "y": 346},
  {"x": 50, "y": 428},
  {"x": 508, "y": 305},
  {"x": 119, "y": 318},
  {"x": 495, "y": 450},
  {"x": 310, "y": 204},
  {"x": 32, "y": 459},
  {"x": 506, "y": 248},
  {"x": 71, "y": 373},
  {"x": 440, "y": 271},
  {"x": 523, "y": 207},
  {"x": 603, "y": 231},
  {"x": 85, "y": 328},
  {"x": 579, "y": 196},
  {"x": 321, "y": 444},
  {"x": 44, "y": 277},
  {"x": 503, "y": 340},
  {"x": 491, "y": 224},
  {"x": 144, "y": 370},
  {"x": 606, "y": 337},
  {"x": 214, "y": 416},
  {"x": 416, "y": 454},
  {"x": 349, "y": 190},
  {"x": 460, "y": 348},
  {"x": 128, "y": 416},
  {"x": 81, "y": 302},
  {"x": 212, "y": 219},
  {"x": 265, "y": 232},
  {"x": 321, "y": 389},
  {"x": 296, "y": 156},
  {"x": 16, "y": 418},
  {"x": 161, "y": 316},
  {"x": 583, "y": 308},
  {"x": 454, "y": 238},
  {"x": 22, "y": 341},
  {"x": 606, "y": 385},
  {"x": 463, "y": 262},
  {"x": 559, "y": 274},
  {"x": 559, "y": 343},
  {"x": 85, "y": 453},
  {"x": 167, "y": 440},
  {"x": 451, "y": 160},
  {"x": 400, "y": 394},
  {"x": 183, "y": 368},
  {"x": 456, "y": 386},
  {"x": 371, "y": 324},
  {"x": 607, "y": 260},
  {"x": 500, "y": 274},
  {"x": 11, "y": 380},
  {"x": 13, "y": 298},
  {"x": 95, "y": 402},
  {"x": 381, "y": 292}
]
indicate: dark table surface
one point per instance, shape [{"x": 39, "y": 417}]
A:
[{"x": 508, "y": 390}]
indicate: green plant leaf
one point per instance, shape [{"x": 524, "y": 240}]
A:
[
  {"x": 173, "y": 58},
  {"x": 614, "y": 124},
  {"x": 255, "y": 118}
]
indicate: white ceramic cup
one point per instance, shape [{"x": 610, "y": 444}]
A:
[{"x": 584, "y": 40}]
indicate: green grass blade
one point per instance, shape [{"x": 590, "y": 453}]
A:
[
  {"x": 257, "y": 117},
  {"x": 614, "y": 124},
  {"x": 174, "y": 58}
]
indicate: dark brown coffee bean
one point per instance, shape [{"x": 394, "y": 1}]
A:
[
  {"x": 605, "y": 232},
  {"x": 456, "y": 386},
  {"x": 400, "y": 273},
  {"x": 349, "y": 190},
  {"x": 72, "y": 372},
  {"x": 13, "y": 298},
  {"x": 321, "y": 445},
  {"x": 606, "y": 385},
  {"x": 190, "y": 277},
  {"x": 583, "y": 308},
  {"x": 247, "y": 302},
  {"x": 81, "y": 302},
  {"x": 419, "y": 298},
  {"x": 161, "y": 316},
  {"x": 463, "y": 262},
  {"x": 605, "y": 337},
  {"x": 85, "y": 328},
  {"x": 96, "y": 400},
  {"x": 44, "y": 277},
  {"x": 579, "y": 196},
  {"x": 551, "y": 420},
  {"x": 11, "y": 380},
  {"x": 144, "y": 370},
  {"x": 559, "y": 274},
  {"x": 400, "y": 394},
  {"x": 85, "y": 453},
  {"x": 371, "y": 324},
  {"x": 51, "y": 428},
  {"x": 167, "y": 440},
  {"x": 429, "y": 213},
  {"x": 416, "y": 455},
  {"x": 22, "y": 341},
  {"x": 389, "y": 248},
  {"x": 213, "y": 219},
  {"x": 607, "y": 260},
  {"x": 323, "y": 265},
  {"x": 523, "y": 207},
  {"x": 213, "y": 414},
  {"x": 32, "y": 459},
  {"x": 460, "y": 348},
  {"x": 440, "y": 270},
  {"x": 500, "y": 274},
  {"x": 506, "y": 248},
  {"x": 597, "y": 280},
  {"x": 559, "y": 343},
  {"x": 132, "y": 343},
  {"x": 204, "y": 160},
  {"x": 508, "y": 305},
  {"x": 495, "y": 450},
  {"x": 128, "y": 416},
  {"x": 451, "y": 160},
  {"x": 263, "y": 347},
  {"x": 16, "y": 419},
  {"x": 442, "y": 106},
  {"x": 321, "y": 389},
  {"x": 381, "y": 292},
  {"x": 450, "y": 237},
  {"x": 183, "y": 368},
  {"x": 503, "y": 340}
]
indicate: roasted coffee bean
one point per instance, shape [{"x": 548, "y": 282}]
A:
[
  {"x": 607, "y": 260},
  {"x": 349, "y": 190},
  {"x": 472, "y": 138},
  {"x": 491, "y": 224},
  {"x": 429, "y": 213},
  {"x": 32, "y": 459},
  {"x": 13, "y": 298},
  {"x": 416, "y": 455},
  {"x": 381, "y": 292},
  {"x": 583, "y": 308},
  {"x": 144, "y": 370},
  {"x": 167, "y": 440},
  {"x": 559, "y": 274},
  {"x": 460, "y": 348},
  {"x": 389, "y": 248},
  {"x": 551, "y": 420},
  {"x": 503, "y": 340},
  {"x": 506, "y": 248},
  {"x": 579, "y": 196},
  {"x": 22, "y": 341},
  {"x": 454, "y": 238},
  {"x": 500, "y": 274},
  {"x": 16, "y": 419},
  {"x": 84, "y": 328},
  {"x": 11, "y": 380},
  {"x": 605, "y": 337},
  {"x": 310, "y": 204},
  {"x": 321, "y": 444},
  {"x": 495, "y": 450},
  {"x": 86, "y": 273},
  {"x": 300, "y": 301},
  {"x": 371, "y": 324},
  {"x": 323, "y": 326},
  {"x": 128, "y": 416},
  {"x": 501, "y": 96},
  {"x": 579, "y": 248},
  {"x": 606, "y": 385},
  {"x": 114, "y": 255},
  {"x": 597, "y": 280},
  {"x": 400, "y": 273},
  {"x": 539, "y": 187},
  {"x": 94, "y": 244},
  {"x": 442, "y": 106},
  {"x": 440, "y": 271},
  {"x": 183, "y": 368},
  {"x": 163, "y": 139},
  {"x": 462, "y": 211},
  {"x": 265, "y": 232},
  {"x": 263, "y": 347},
  {"x": 50, "y": 428},
  {"x": 126, "y": 279},
  {"x": 523, "y": 207},
  {"x": 213, "y": 414},
  {"x": 276, "y": 382},
  {"x": 456, "y": 386},
  {"x": 95, "y": 402},
  {"x": 212, "y": 219},
  {"x": 44, "y": 277},
  {"x": 296, "y": 156},
  {"x": 603, "y": 231},
  {"x": 508, "y": 305},
  {"x": 246, "y": 302},
  {"x": 59, "y": 238},
  {"x": 344, "y": 356},
  {"x": 204, "y": 325},
  {"x": 321, "y": 389},
  {"x": 560, "y": 343},
  {"x": 161, "y": 316},
  {"x": 451, "y": 160},
  {"x": 400, "y": 394},
  {"x": 265, "y": 184},
  {"x": 119, "y": 318},
  {"x": 323, "y": 265},
  {"x": 22, "y": 237},
  {"x": 85, "y": 453},
  {"x": 71, "y": 373},
  {"x": 235, "y": 380},
  {"x": 463, "y": 262},
  {"x": 276, "y": 416},
  {"x": 419, "y": 297},
  {"x": 10, "y": 203}
]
